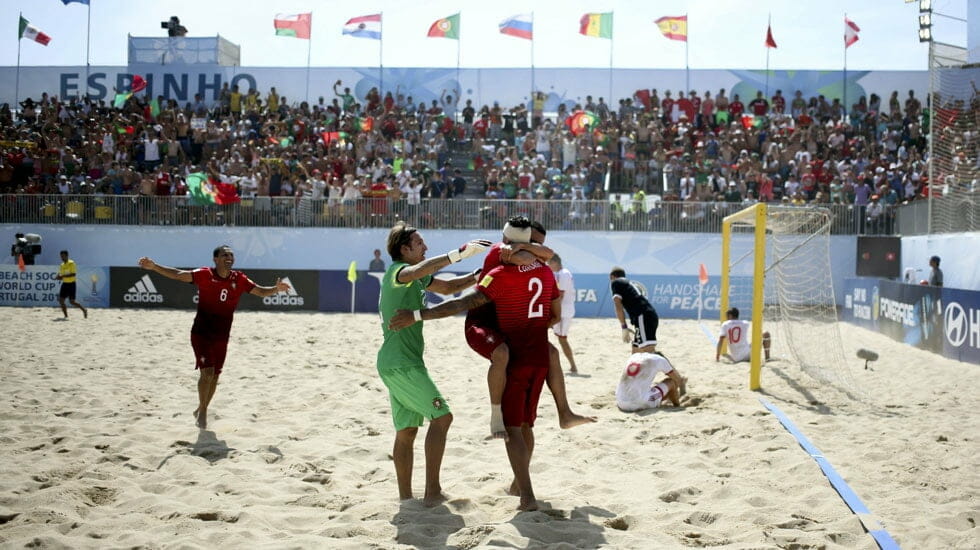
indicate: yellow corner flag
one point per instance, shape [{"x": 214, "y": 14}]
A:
[{"x": 352, "y": 272}]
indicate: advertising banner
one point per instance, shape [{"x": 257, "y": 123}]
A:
[
  {"x": 961, "y": 325},
  {"x": 303, "y": 296},
  {"x": 36, "y": 286},
  {"x": 911, "y": 314},
  {"x": 336, "y": 291},
  {"x": 861, "y": 302}
]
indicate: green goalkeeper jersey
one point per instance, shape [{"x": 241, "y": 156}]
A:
[{"x": 402, "y": 348}]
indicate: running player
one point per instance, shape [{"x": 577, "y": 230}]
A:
[
  {"x": 412, "y": 393},
  {"x": 527, "y": 304},
  {"x": 627, "y": 296},
  {"x": 67, "y": 273},
  {"x": 736, "y": 332},
  {"x": 484, "y": 337},
  {"x": 636, "y": 390},
  {"x": 219, "y": 289}
]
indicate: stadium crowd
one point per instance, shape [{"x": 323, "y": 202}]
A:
[{"x": 690, "y": 147}]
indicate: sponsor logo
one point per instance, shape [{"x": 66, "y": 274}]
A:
[
  {"x": 437, "y": 403},
  {"x": 962, "y": 324},
  {"x": 143, "y": 292},
  {"x": 287, "y": 298}
]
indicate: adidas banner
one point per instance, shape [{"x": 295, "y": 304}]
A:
[
  {"x": 36, "y": 286},
  {"x": 134, "y": 287}
]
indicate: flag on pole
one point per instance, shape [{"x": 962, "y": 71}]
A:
[
  {"x": 445, "y": 28},
  {"x": 673, "y": 28},
  {"x": 352, "y": 272},
  {"x": 702, "y": 274},
  {"x": 66, "y": 2},
  {"x": 598, "y": 25},
  {"x": 770, "y": 41},
  {"x": 297, "y": 26},
  {"x": 851, "y": 31},
  {"x": 204, "y": 190},
  {"x": 120, "y": 100},
  {"x": 30, "y": 31},
  {"x": 518, "y": 26},
  {"x": 366, "y": 26}
]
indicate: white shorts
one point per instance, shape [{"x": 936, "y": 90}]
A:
[
  {"x": 561, "y": 327},
  {"x": 654, "y": 398},
  {"x": 741, "y": 355}
]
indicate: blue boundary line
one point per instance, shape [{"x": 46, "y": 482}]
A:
[{"x": 870, "y": 523}]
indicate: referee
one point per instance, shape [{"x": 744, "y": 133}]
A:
[{"x": 66, "y": 274}]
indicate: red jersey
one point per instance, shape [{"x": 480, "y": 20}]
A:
[
  {"x": 778, "y": 103},
  {"x": 217, "y": 299},
  {"x": 666, "y": 106},
  {"x": 486, "y": 315},
  {"x": 736, "y": 108},
  {"x": 522, "y": 296}
]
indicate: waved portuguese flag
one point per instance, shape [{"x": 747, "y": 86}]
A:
[
  {"x": 27, "y": 30},
  {"x": 297, "y": 26},
  {"x": 364, "y": 124},
  {"x": 204, "y": 190},
  {"x": 329, "y": 137},
  {"x": 581, "y": 121},
  {"x": 445, "y": 28}
]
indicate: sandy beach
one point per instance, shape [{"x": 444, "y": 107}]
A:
[{"x": 99, "y": 447}]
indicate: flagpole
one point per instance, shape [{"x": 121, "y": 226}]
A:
[
  {"x": 20, "y": 38},
  {"x": 533, "y": 88},
  {"x": 844, "y": 84},
  {"x": 768, "y": 30},
  {"x": 687, "y": 67},
  {"x": 88, "y": 41},
  {"x": 309, "y": 52},
  {"x": 612, "y": 36},
  {"x": 458, "y": 40},
  {"x": 381, "y": 61}
]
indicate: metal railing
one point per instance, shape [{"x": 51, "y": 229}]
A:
[
  {"x": 581, "y": 215},
  {"x": 953, "y": 213}
]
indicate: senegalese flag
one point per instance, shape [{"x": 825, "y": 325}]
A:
[
  {"x": 204, "y": 190},
  {"x": 581, "y": 121},
  {"x": 297, "y": 26},
  {"x": 445, "y": 28},
  {"x": 673, "y": 27},
  {"x": 599, "y": 25}
]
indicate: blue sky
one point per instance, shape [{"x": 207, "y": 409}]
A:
[{"x": 723, "y": 34}]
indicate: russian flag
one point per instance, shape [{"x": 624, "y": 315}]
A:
[
  {"x": 519, "y": 26},
  {"x": 366, "y": 26}
]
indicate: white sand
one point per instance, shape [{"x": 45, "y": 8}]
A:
[{"x": 99, "y": 447}]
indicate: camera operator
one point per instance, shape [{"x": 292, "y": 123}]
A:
[{"x": 23, "y": 247}]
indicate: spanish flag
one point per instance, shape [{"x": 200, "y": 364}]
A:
[
  {"x": 598, "y": 25},
  {"x": 673, "y": 28}
]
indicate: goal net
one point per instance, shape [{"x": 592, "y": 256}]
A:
[{"x": 776, "y": 271}]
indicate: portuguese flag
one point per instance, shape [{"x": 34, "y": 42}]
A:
[
  {"x": 297, "y": 26},
  {"x": 581, "y": 122},
  {"x": 204, "y": 190},
  {"x": 445, "y": 28},
  {"x": 599, "y": 25}
]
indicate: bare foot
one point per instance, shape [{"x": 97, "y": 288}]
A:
[
  {"x": 571, "y": 420},
  {"x": 85, "y": 313},
  {"x": 682, "y": 387},
  {"x": 528, "y": 504},
  {"x": 514, "y": 490},
  {"x": 434, "y": 500},
  {"x": 202, "y": 420},
  {"x": 573, "y": 370}
]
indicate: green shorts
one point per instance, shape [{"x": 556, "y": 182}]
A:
[{"x": 414, "y": 396}]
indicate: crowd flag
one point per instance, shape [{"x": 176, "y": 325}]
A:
[
  {"x": 851, "y": 31},
  {"x": 297, "y": 26},
  {"x": 675, "y": 28},
  {"x": 770, "y": 44},
  {"x": 522, "y": 26},
  {"x": 204, "y": 190},
  {"x": 448, "y": 27},
  {"x": 600, "y": 25},
  {"x": 369, "y": 26}
]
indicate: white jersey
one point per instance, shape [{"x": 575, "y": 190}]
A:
[
  {"x": 635, "y": 391},
  {"x": 566, "y": 284},
  {"x": 736, "y": 331}
]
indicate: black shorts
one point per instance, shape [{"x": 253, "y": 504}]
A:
[
  {"x": 67, "y": 291},
  {"x": 646, "y": 328}
]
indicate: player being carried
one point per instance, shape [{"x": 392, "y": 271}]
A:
[
  {"x": 527, "y": 303},
  {"x": 736, "y": 332},
  {"x": 485, "y": 338},
  {"x": 636, "y": 390},
  {"x": 219, "y": 289}
]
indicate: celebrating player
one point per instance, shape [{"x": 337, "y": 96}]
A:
[
  {"x": 219, "y": 289},
  {"x": 636, "y": 390},
  {"x": 736, "y": 332},
  {"x": 627, "y": 296},
  {"x": 412, "y": 393},
  {"x": 527, "y": 304}
]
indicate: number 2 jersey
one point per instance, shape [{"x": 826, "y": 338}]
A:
[
  {"x": 217, "y": 299},
  {"x": 522, "y": 296}
]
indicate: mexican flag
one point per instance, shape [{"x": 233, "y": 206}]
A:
[
  {"x": 445, "y": 28},
  {"x": 30, "y": 31},
  {"x": 297, "y": 26},
  {"x": 204, "y": 190}
]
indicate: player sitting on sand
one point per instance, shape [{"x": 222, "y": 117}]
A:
[
  {"x": 636, "y": 390},
  {"x": 736, "y": 332}
]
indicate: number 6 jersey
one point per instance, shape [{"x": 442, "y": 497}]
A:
[{"x": 217, "y": 299}]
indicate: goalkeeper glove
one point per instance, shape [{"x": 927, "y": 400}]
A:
[
  {"x": 627, "y": 335},
  {"x": 471, "y": 248}
]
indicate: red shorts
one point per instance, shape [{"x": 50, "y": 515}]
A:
[
  {"x": 520, "y": 402},
  {"x": 209, "y": 353},
  {"x": 481, "y": 330}
]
